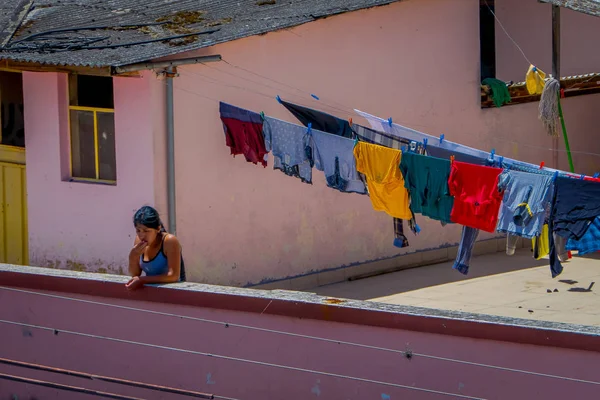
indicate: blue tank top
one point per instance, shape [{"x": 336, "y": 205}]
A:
[{"x": 159, "y": 265}]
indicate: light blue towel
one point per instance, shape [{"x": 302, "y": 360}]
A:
[
  {"x": 521, "y": 187},
  {"x": 288, "y": 143},
  {"x": 334, "y": 155}
]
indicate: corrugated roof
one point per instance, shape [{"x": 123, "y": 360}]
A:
[
  {"x": 590, "y": 7},
  {"x": 158, "y": 19}
]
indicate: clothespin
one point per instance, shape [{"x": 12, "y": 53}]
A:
[
  {"x": 441, "y": 138},
  {"x": 492, "y": 153},
  {"x": 562, "y": 93},
  {"x": 350, "y": 121},
  {"x": 581, "y": 177},
  {"x": 262, "y": 115},
  {"x": 542, "y": 165},
  {"x": 597, "y": 174},
  {"x": 403, "y": 149},
  {"x": 390, "y": 121},
  {"x": 355, "y": 141},
  {"x": 554, "y": 176},
  {"x": 278, "y": 99},
  {"x": 424, "y": 143},
  {"x": 417, "y": 228},
  {"x": 451, "y": 159},
  {"x": 501, "y": 160},
  {"x": 534, "y": 69},
  {"x": 309, "y": 129},
  {"x": 314, "y": 96}
]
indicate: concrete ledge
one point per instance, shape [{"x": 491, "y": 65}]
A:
[
  {"x": 392, "y": 264},
  {"x": 310, "y": 306}
]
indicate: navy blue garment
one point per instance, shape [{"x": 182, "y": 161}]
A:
[
  {"x": 440, "y": 152},
  {"x": 575, "y": 205},
  {"x": 320, "y": 121}
]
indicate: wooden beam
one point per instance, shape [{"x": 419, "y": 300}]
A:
[
  {"x": 38, "y": 67},
  {"x": 555, "y": 67}
]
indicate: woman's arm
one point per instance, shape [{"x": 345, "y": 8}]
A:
[
  {"x": 172, "y": 250},
  {"x": 134, "y": 257}
]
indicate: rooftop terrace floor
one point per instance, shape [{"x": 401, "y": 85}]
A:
[{"x": 511, "y": 286}]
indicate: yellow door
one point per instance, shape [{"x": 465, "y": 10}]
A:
[{"x": 13, "y": 206}]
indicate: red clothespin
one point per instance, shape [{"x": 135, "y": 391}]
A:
[
  {"x": 562, "y": 93},
  {"x": 569, "y": 254},
  {"x": 542, "y": 165},
  {"x": 350, "y": 121},
  {"x": 451, "y": 159}
]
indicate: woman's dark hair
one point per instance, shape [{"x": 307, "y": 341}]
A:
[{"x": 148, "y": 216}]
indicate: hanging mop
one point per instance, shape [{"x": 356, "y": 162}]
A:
[{"x": 551, "y": 113}]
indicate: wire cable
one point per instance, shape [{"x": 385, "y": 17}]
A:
[
  {"x": 298, "y": 335},
  {"x": 229, "y": 358}
]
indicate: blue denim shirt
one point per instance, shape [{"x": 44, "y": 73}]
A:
[{"x": 526, "y": 199}]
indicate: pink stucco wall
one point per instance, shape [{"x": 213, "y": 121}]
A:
[
  {"x": 79, "y": 225},
  {"x": 529, "y": 22},
  {"x": 241, "y": 224},
  {"x": 242, "y": 380}
]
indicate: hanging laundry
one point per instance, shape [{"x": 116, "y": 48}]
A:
[
  {"x": 320, "y": 121},
  {"x": 589, "y": 242},
  {"x": 526, "y": 200},
  {"x": 541, "y": 244},
  {"x": 380, "y": 165},
  {"x": 372, "y": 136},
  {"x": 400, "y": 240},
  {"x": 244, "y": 133},
  {"x": 575, "y": 205},
  {"x": 334, "y": 155},
  {"x": 535, "y": 80},
  {"x": 476, "y": 195},
  {"x": 426, "y": 179},
  {"x": 499, "y": 91},
  {"x": 511, "y": 244},
  {"x": 465, "y": 249},
  {"x": 440, "y": 152},
  {"x": 289, "y": 143}
]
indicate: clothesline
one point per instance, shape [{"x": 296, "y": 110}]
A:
[{"x": 404, "y": 172}]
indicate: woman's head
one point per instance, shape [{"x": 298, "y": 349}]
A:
[{"x": 147, "y": 224}]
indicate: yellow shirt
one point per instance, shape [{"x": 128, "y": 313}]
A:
[{"x": 381, "y": 167}]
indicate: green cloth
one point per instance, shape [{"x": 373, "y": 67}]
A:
[
  {"x": 500, "y": 94},
  {"x": 426, "y": 179}
]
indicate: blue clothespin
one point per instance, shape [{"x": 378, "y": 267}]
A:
[
  {"x": 424, "y": 143},
  {"x": 314, "y": 96},
  {"x": 390, "y": 121},
  {"x": 501, "y": 160},
  {"x": 597, "y": 174},
  {"x": 309, "y": 129},
  {"x": 554, "y": 176},
  {"x": 492, "y": 153},
  {"x": 534, "y": 69},
  {"x": 262, "y": 115},
  {"x": 355, "y": 141},
  {"x": 581, "y": 177},
  {"x": 417, "y": 228},
  {"x": 403, "y": 149},
  {"x": 441, "y": 138},
  {"x": 278, "y": 99}
]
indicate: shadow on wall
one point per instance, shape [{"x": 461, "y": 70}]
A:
[{"x": 428, "y": 276}]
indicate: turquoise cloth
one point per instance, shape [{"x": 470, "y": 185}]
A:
[{"x": 426, "y": 179}]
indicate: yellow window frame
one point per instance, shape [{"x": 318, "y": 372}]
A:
[{"x": 95, "y": 111}]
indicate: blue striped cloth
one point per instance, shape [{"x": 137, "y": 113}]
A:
[{"x": 589, "y": 242}]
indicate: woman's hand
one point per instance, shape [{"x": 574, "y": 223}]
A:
[
  {"x": 137, "y": 250},
  {"x": 134, "y": 283}
]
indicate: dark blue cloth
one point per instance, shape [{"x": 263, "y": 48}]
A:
[
  {"x": 589, "y": 242},
  {"x": 319, "y": 120},
  {"x": 575, "y": 205},
  {"x": 440, "y": 152},
  {"x": 229, "y": 111}
]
